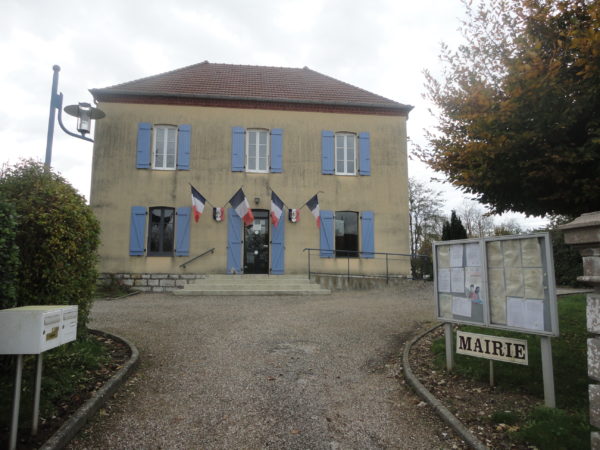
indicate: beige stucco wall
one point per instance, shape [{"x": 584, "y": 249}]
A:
[{"x": 117, "y": 184}]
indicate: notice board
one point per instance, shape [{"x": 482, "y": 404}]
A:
[{"x": 498, "y": 282}]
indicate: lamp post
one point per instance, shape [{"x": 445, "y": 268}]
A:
[{"x": 84, "y": 112}]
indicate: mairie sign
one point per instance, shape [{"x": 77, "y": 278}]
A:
[{"x": 492, "y": 347}]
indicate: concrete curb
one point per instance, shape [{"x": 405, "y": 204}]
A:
[
  {"x": 440, "y": 409},
  {"x": 70, "y": 428}
]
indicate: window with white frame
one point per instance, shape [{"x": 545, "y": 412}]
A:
[
  {"x": 345, "y": 154},
  {"x": 257, "y": 151},
  {"x": 165, "y": 147}
]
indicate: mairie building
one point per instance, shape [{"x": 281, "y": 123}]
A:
[{"x": 222, "y": 127}]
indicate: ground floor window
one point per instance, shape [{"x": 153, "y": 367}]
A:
[
  {"x": 346, "y": 234},
  {"x": 161, "y": 231}
]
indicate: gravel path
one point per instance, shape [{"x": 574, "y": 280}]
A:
[{"x": 267, "y": 372}]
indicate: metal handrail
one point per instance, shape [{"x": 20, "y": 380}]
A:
[
  {"x": 212, "y": 250},
  {"x": 356, "y": 253}
]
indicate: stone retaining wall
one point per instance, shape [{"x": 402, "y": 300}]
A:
[
  {"x": 343, "y": 282},
  {"x": 150, "y": 282}
]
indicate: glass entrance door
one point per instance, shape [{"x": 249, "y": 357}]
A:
[{"x": 256, "y": 243}]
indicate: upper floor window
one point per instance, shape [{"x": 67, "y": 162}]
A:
[
  {"x": 257, "y": 151},
  {"x": 345, "y": 154},
  {"x": 161, "y": 231},
  {"x": 165, "y": 147}
]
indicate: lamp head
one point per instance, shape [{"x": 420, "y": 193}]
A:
[{"x": 85, "y": 113}]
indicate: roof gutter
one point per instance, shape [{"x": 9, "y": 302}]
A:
[{"x": 98, "y": 94}]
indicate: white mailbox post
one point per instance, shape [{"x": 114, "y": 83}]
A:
[{"x": 31, "y": 330}]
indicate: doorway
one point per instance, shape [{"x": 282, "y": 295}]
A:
[{"x": 256, "y": 243}]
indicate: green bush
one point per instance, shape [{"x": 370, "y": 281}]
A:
[
  {"x": 9, "y": 255},
  {"x": 568, "y": 264},
  {"x": 421, "y": 267},
  {"x": 506, "y": 417},
  {"x": 556, "y": 429},
  {"x": 57, "y": 236}
]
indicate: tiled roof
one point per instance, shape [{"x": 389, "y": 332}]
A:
[{"x": 250, "y": 83}]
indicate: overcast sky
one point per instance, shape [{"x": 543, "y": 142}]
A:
[{"x": 382, "y": 46}]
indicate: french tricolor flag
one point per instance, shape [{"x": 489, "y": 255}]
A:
[
  {"x": 198, "y": 202},
  {"x": 313, "y": 205},
  {"x": 276, "y": 208},
  {"x": 239, "y": 202}
]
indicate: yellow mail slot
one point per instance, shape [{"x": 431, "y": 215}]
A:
[{"x": 53, "y": 334}]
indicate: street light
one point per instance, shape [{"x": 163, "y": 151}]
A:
[{"x": 84, "y": 112}]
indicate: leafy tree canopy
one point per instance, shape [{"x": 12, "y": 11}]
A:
[
  {"x": 518, "y": 106},
  {"x": 57, "y": 236}
]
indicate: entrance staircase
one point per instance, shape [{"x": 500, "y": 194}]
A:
[{"x": 253, "y": 285}]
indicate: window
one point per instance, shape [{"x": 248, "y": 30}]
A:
[
  {"x": 161, "y": 231},
  {"x": 339, "y": 234},
  {"x": 257, "y": 151},
  {"x": 165, "y": 145},
  {"x": 345, "y": 154},
  {"x": 346, "y": 234}
]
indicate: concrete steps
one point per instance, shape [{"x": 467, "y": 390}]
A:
[{"x": 243, "y": 285}]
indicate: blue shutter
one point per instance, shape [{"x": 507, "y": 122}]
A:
[
  {"x": 327, "y": 159},
  {"x": 238, "y": 142},
  {"x": 183, "y": 147},
  {"x": 278, "y": 247},
  {"x": 327, "y": 236},
  {"x": 367, "y": 225},
  {"x": 182, "y": 231},
  {"x": 364, "y": 151},
  {"x": 137, "y": 231},
  {"x": 144, "y": 143},
  {"x": 276, "y": 150},
  {"x": 234, "y": 242}
]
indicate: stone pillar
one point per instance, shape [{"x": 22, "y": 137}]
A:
[{"x": 584, "y": 234}]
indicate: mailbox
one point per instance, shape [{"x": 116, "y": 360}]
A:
[{"x": 31, "y": 330}]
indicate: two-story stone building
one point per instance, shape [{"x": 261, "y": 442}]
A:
[{"x": 220, "y": 127}]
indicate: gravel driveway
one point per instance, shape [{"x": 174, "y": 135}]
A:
[{"x": 267, "y": 372}]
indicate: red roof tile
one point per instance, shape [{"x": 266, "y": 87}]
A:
[{"x": 253, "y": 83}]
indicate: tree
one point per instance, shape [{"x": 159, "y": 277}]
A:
[
  {"x": 426, "y": 219},
  {"x": 453, "y": 229},
  {"x": 57, "y": 236},
  {"x": 475, "y": 219},
  {"x": 518, "y": 107},
  {"x": 425, "y": 214},
  {"x": 507, "y": 227}
]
